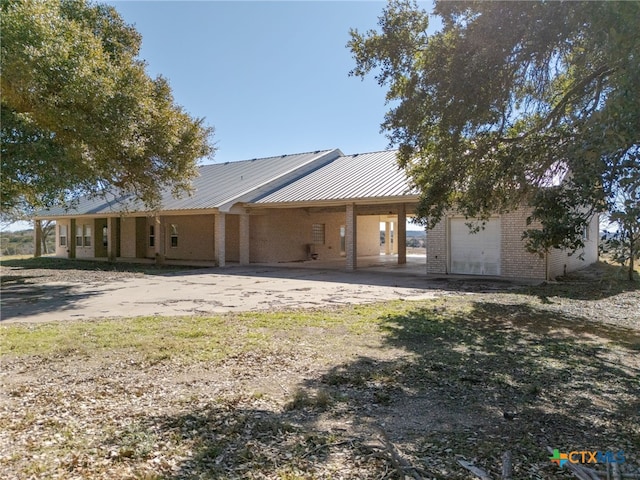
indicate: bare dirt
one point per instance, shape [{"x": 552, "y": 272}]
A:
[{"x": 466, "y": 372}]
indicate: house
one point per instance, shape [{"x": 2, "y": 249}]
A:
[{"x": 291, "y": 208}]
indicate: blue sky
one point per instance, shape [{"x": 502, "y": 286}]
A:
[{"x": 270, "y": 77}]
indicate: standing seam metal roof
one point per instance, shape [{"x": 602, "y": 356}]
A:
[
  {"x": 217, "y": 185},
  {"x": 366, "y": 175}
]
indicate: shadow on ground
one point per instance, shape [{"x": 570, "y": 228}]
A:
[
  {"x": 53, "y": 263},
  {"x": 601, "y": 280},
  {"x": 22, "y": 297},
  {"x": 475, "y": 381}
]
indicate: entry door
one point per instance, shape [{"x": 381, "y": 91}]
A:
[{"x": 475, "y": 253}]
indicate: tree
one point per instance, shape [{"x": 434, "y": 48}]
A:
[
  {"x": 624, "y": 213},
  {"x": 79, "y": 114},
  {"x": 47, "y": 228},
  {"x": 512, "y": 103}
]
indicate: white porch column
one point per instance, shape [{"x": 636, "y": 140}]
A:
[
  {"x": 219, "y": 239},
  {"x": 37, "y": 238},
  {"x": 351, "y": 237},
  {"x": 394, "y": 225},
  {"x": 402, "y": 235},
  {"x": 244, "y": 239},
  {"x": 387, "y": 238}
]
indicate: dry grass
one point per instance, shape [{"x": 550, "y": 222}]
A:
[{"x": 304, "y": 394}]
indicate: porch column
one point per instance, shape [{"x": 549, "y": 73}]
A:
[
  {"x": 158, "y": 240},
  {"x": 219, "y": 239},
  {"x": 426, "y": 249},
  {"x": 112, "y": 239},
  {"x": 244, "y": 239},
  {"x": 37, "y": 238},
  {"x": 387, "y": 238},
  {"x": 402, "y": 235},
  {"x": 394, "y": 225},
  {"x": 71, "y": 242},
  {"x": 351, "y": 237}
]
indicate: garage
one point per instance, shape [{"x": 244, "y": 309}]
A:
[{"x": 475, "y": 253}]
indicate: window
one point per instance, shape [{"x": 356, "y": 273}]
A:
[
  {"x": 343, "y": 234},
  {"x": 105, "y": 236},
  {"x": 317, "y": 233},
  {"x": 585, "y": 233},
  {"x": 152, "y": 235},
  {"x": 63, "y": 235},
  {"x": 83, "y": 236},
  {"x": 174, "y": 235},
  {"x": 79, "y": 236},
  {"x": 87, "y": 235}
]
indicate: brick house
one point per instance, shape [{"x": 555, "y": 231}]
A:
[{"x": 291, "y": 208}]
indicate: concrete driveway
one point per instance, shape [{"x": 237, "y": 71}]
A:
[{"x": 213, "y": 290}]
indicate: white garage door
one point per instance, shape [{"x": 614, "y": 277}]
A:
[{"x": 475, "y": 253}]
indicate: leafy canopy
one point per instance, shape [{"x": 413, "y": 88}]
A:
[
  {"x": 512, "y": 103},
  {"x": 80, "y": 116}
]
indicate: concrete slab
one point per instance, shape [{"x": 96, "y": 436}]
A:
[{"x": 215, "y": 290}]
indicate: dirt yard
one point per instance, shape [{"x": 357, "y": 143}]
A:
[{"x": 377, "y": 390}]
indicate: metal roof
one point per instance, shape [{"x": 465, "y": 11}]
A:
[
  {"x": 351, "y": 177},
  {"x": 219, "y": 185}
]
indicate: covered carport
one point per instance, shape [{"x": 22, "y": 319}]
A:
[{"x": 356, "y": 187}]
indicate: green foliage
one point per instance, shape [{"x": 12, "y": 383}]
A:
[
  {"x": 21, "y": 243},
  {"x": 624, "y": 213},
  {"x": 512, "y": 103},
  {"x": 79, "y": 113}
]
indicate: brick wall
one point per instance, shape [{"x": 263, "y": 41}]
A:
[
  {"x": 195, "y": 237},
  {"x": 282, "y": 235},
  {"x": 437, "y": 248},
  {"x": 516, "y": 262},
  {"x": 128, "y": 237}
]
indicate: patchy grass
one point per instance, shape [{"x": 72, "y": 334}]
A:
[
  {"x": 185, "y": 339},
  {"x": 302, "y": 399},
  {"x": 306, "y": 394}
]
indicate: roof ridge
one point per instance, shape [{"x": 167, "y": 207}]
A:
[
  {"x": 314, "y": 152},
  {"x": 370, "y": 153},
  {"x": 317, "y": 155}
]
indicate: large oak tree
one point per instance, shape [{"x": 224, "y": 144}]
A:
[
  {"x": 80, "y": 115},
  {"x": 495, "y": 107}
]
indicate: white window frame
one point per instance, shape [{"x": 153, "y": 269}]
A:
[
  {"x": 63, "y": 233},
  {"x": 174, "y": 236}
]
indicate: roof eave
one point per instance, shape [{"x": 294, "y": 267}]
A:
[{"x": 396, "y": 199}]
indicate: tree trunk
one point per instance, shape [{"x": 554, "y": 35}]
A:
[
  {"x": 46, "y": 228},
  {"x": 632, "y": 254}
]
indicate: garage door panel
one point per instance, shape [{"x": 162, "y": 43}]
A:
[{"x": 475, "y": 253}]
